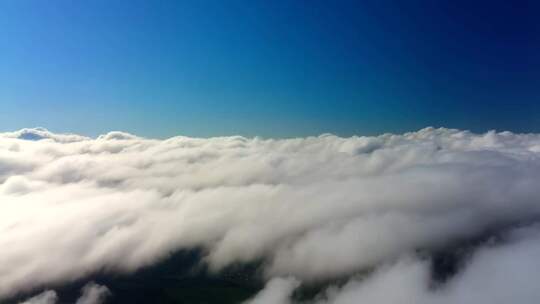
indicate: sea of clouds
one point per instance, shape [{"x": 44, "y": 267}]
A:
[{"x": 314, "y": 208}]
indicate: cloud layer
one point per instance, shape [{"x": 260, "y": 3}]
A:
[{"x": 311, "y": 208}]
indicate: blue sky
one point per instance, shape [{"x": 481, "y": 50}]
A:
[{"x": 269, "y": 68}]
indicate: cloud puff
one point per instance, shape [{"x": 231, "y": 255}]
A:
[
  {"x": 91, "y": 293},
  {"x": 314, "y": 208}
]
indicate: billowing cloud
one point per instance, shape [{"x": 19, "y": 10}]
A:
[
  {"x": 311, "y": 208},
  {"x": 496, "y": 274}
]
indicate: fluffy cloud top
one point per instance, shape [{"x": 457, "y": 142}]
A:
[
  {"x": 313, "y": 208},
  {"x": 42, "y": 134}
]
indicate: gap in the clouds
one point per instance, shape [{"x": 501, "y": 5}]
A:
[
  {"x": 447, "y": 261},
  {"x": 180, "y": 278},
  {"x": 183, "y": 278}
]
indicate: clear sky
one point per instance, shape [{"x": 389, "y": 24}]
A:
[{"x": 269, "y": 68}]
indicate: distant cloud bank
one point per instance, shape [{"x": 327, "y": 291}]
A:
[{"x": 311, "y": 208}]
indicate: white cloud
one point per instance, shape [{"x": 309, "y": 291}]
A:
[{"x": 314, "y": 208}]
